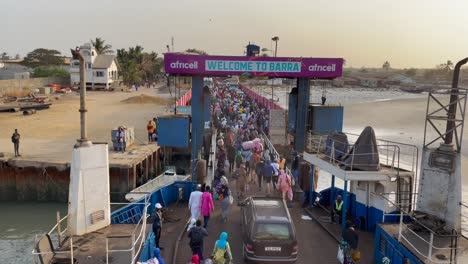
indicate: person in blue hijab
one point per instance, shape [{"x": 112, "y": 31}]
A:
[
  {"x": 157, "y": 255},
  {"x": 221, "y": 249}
]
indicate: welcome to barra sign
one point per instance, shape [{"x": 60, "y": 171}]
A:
[{"x": 175, "y": 63}]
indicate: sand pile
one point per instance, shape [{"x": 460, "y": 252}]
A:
[{"x": 145, "y": 99}]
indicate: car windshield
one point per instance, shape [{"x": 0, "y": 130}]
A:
[{"x": 266, "y": 231}]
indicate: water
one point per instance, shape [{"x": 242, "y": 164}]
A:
[{"x": 19, "y": 223}]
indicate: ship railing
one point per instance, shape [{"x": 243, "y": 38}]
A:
[
  {"x": 391, "y": 154},
  {"x": 273, "y": 150},
  {"x": 464, "y": 220},
  {"x": 138, "y": 234},
  {"x": 53, "y": 253},
  {"x": 57, "y": 235},
  {"x": 426, "y": 243},
  {"x": 392, "y": 205}
]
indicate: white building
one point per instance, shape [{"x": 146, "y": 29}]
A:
[{"x": 101, "y": 70}]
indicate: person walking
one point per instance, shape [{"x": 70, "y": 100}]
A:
[
  {"x": 207, "y": 206},
  {"x": 241, "y": 181},
  {"x": 284, "y": 185},
  {"x": 196, "y": 235},
  {"x": 150, "y": 129},
  {"x": 295, "y": 170},
  {"x": 157, "y": 224},
  {"x": 349, "y": 244},
  {"x": 305, "y": 182},
  {"x": 157, "y": 255},
  {"x": 225, "y": 196},
  {"x": 268, "y": 173},
  {"x": 231, "y": 154},
  {"x": 15, "y": 139},
  {"x": 195, "y": 259},
  {"x": 222, "y": 250},
  {"x": 195, "y": 203},
  {"x": 275, "y": 166},
  {"x": 259, "y": 172}
]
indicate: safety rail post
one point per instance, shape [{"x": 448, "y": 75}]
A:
[
  {"x": 71, "y": 250},
  {"x": 431, "y": 242},
  {"x": 107, "y": 250},
  {"x": 133, "y": 246},
  {"x": 59, "y": 230},
  {"x": 400, "y": 228}
]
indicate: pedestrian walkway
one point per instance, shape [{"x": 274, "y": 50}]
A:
[{"x": 315, "y": 245}]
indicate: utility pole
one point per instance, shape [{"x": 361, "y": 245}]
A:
[
  {"x": 275, "y": 39},
  {"x": 83, "y": 141}
]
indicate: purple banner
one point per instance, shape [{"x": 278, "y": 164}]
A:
[{"x": 183, "y": 64}]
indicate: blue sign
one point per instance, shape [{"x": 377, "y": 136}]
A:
[{"x": 184, "y": 110}]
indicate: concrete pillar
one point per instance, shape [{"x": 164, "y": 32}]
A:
[
  {"x": 301, "y": 117},
  {"x": 197, "y": 120},
  {"x": 292, "y": 110},
  {"x": 89, "y": 200}
]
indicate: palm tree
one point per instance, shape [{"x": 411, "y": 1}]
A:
[
  {"x": 386, "y": 65},
  {"x": 101, "y": 47},
  {"x": 447, "y": 67}
]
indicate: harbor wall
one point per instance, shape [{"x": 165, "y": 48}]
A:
[
  {"x": 40, "y": 181},
  {"x": 7, "y": 86}
]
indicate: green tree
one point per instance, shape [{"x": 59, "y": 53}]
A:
[
  {"x": 49, "y": 71},
  {"x": 197, "y": 51},
  {"x": 136, "y": 65},
  {"x": 445, "y": 69},
  {"x": 42, "y": 57},
  {"x": 386, "y": 66},
  {"x": 411, "y": 72},
  {"x": 101, "y": 47}
]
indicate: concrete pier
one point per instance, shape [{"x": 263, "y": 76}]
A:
[{"x": 36, "y": 179}]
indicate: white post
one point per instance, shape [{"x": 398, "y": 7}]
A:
[
  {"x": 431, "y": 241},
  {"x": 59, "y": 230},
  {"x": 400, "y": 228},
  {"x": 133, "y": 247},
  {"x": 107, "y": 251},
  {"x": 71, "y": 250}
]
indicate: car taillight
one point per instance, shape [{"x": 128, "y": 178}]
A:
[
  {"x": 295, "y": 248},
  {"x": 249, "y": 248}
]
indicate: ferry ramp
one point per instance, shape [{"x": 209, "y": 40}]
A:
[{"x": 315, "y": 245}]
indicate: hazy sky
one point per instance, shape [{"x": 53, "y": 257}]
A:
[{"x": 408, "y": 33}]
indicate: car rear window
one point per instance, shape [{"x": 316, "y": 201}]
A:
[{"x": 266, "y": 231}]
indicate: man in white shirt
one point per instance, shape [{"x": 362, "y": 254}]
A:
[{"x": 195, "y": 203}]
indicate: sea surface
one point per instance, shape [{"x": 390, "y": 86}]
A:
[{"x": 19, "y": 223}]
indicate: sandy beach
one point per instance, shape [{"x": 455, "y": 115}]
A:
[{"x": 50, "y": 134}]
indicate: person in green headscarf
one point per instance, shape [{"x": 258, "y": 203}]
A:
[
  {"x": 239, "y": 159},
  {"x": 222, "y": 251}
]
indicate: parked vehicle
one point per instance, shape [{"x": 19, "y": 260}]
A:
[{"x": 268, "y": 231}]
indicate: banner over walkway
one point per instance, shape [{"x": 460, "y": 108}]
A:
[{"x": 326, "y": 68}]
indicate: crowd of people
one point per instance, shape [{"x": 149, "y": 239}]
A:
[{"x": 243, "y": 158}]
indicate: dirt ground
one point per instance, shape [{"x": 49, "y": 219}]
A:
[{"x": 50, "y": 134}]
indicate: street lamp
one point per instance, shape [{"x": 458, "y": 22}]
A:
[{"x": 275, "y": 39}]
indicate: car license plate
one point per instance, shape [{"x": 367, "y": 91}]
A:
[{"x": 272, "y": 248}]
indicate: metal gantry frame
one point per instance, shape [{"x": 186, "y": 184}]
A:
[{"x": 442, "y": 113}]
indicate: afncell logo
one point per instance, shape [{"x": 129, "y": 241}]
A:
[
  {"x": 322, "y": 68},
  {"x": 184, "y": 65}
]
